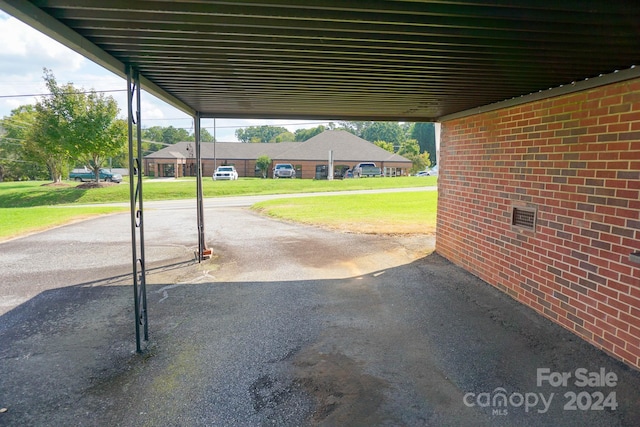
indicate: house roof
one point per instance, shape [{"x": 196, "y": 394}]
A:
[
  {"x": 347, "y": 59},
  {"x": 346, "y": 147}
]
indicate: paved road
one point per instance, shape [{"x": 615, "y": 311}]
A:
[{"x": 287, "y": 325}]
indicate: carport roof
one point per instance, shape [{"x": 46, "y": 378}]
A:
[{"x": 341, "y": 59}]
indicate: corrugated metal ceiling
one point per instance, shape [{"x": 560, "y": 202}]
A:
[{"x": 336, "y": 59}]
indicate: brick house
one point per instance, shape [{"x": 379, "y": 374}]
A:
[{"x": 348, "y": 150}]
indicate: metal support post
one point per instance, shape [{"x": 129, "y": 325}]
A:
[
  {"x": 200, "y": 202},
  {"x": 137, "y": 223}
]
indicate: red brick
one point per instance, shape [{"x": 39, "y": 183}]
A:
[
  {"x": 577, "y": 169},
  {"x": 626, "y": 355},
  {"x": 629, "y": 339},
  {"x": 633, "y": 350}
]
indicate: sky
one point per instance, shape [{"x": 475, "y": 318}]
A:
[{"x": 25, "y": 52}]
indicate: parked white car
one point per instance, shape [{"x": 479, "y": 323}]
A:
[
  {"x": 429, "y": 172},
  {"x": 225, "y": 172}
]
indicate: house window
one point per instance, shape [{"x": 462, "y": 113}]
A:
[{"x": 524, "y": 217}]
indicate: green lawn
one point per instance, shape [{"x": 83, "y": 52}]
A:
[
  {"x": 388, "y": 213},
  {"x": 27, "y": 207},
  {"x": 20, "y": 221},
  {"x": 33, "y": 193}
]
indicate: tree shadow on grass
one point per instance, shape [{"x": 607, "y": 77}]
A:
[{"x": 40, "y": 196}]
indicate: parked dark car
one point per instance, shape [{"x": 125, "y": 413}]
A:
[{"x": 88, "y": 175}]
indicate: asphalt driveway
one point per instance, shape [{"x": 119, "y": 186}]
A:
[{"x": 287, "y": 325}]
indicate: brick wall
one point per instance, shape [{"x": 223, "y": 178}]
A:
[{"x": 576, "y": 159}]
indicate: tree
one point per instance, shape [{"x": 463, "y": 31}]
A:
[
  {"x": 171, "y": 135},
  {"x": 263, "y": 163},
  {"x": 425, "y": 134},
  {"x": 409, "y": 147},
  {"x": 78, "y": 125},
  {"x": 285, "y": 137},
  {"x": 385, "y": 146},
  {"x": 421, "y": 162},
  {"x": 392, "y": 132},
  {"x": 97, "y": 135},
  {"x": 411, "y": 150},
  {"x": 384, "y": 131},
  {"x": 356, "y": 128},
  {"x": 304, "y": 134},
  {"x": 154, "y": 133},
  {"x": 50, "y": 136},
  {"x": 205, "y": 136},
  {"x": 15, "y": 162},
  {"x": 259, "y": 133}
]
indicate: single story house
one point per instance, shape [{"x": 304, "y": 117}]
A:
[{"x": 310, "y": 158}]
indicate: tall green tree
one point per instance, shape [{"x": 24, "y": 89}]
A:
[
  {"x": 51, "y": 135},
  {"x": 356, "y": 128},
  {"x": 425, "y": 134},
  {"x": 151, "y": 135},
  {"x": 409, "y": 147},
  {"x": 384, "y": 131},
  {"x": 411, "y": 150},
  {"x": 304, "y": 134},
  {"x": 392, "y": 132},
  {"x": 97, "y": 133},
  {"x": 285, "y": 137},
  {"x": 171, "y": 135},
  {"x": 205, "y": 136},
  {"x": 264, "y": 133},
  {"x": 15, "y": 161},
  {"x": 72, "y": 124},
  {"x": 154, "y": 133}
]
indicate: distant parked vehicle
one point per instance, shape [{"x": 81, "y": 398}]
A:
[
  {"x": 225, "y": 172},
  {"x": 429, "y": 172},
  {"x": 83, "y": 175},
  {"x": 366, "y": 169},
  {"x": 284, "y": 170}
]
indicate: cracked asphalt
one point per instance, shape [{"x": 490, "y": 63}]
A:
[{"x": 287, "y": 325}]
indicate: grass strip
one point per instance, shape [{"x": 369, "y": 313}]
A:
[
  {"x": 388, "y": 213},
  {"x": 20, "y": 221},
  {"x": 34, "y": 193}
]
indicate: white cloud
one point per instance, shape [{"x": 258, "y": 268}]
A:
[{"x": 22, "y": 45}]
